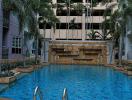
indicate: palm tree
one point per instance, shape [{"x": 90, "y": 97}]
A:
[
  {"x": 47, "y": 16},
  {"x": 125, "y": 9},
  {"x": 27, "y": 13},
  {"x": 89, "y": 10},
  {"x": 69, "y": 5},
  {"x": 119, "y": 20},
  {"x": 44, "y": 9},
  {"x": 9, "y": 7},
  {"x": 51, "y": 20},
  {"x": 114, "y": 30},
  {"x": 79, "y": 8},
  {"x": 72, "y": 26},
  {"x": 6, "y": 12}
]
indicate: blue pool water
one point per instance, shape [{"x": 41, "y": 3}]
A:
[{"x": 82, "y": 83}]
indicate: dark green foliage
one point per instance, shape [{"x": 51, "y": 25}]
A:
[
  {"x": 6, "y": 74},
  {"x": 10, "y": 65}
]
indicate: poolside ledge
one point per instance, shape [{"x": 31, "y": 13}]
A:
[
  {"x": 30, "y": 68},
  {"x": 5, "y": 99},
  {"x": 7, "y": 80},
  {"x": 123, "y": 70},
  {"x": 25, "y": 70}
]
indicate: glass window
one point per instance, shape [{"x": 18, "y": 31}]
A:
[
  {"x": 71, "y": 26},
  {"x": 33, "y": 48},
  {"x": 92, "y": 25},
  {"x": 72, "y": 1},
  {"x": 16, "y": 45},
  {"x": 61, "y": 12}
]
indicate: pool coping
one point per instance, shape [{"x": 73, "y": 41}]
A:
[{"x": 121, "y": 69}]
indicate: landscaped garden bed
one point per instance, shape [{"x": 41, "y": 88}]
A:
[
  {"x": 7, "y": 77},
  {"x": 10, "y": 70},
  {"x": 27, "y": 69},
  {"x": 125, "y": 69}
]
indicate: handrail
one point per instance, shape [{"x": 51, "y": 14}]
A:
[
  {"x": 65, "y": 94},
  {"x": 37, "y": 92}
]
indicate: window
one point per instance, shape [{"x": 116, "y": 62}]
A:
[
  {"x": 76, "y": 13},
  {"x": 61, "y": 26},
  {"x": 98, "y": 12},
  {"x": 71, "y": 26},
  {"x": 33, "y": 48},
  {"x": 94, "y": 1},
  {"x": 41, "y": 26},
  {"x": 62, "y": 1},
  {"x": 77, "y": 1},
  {"x": 75, "y": 25},
  {"x": 16, "y": 45},
  {"x": 93, "y": 25},
  {"x": 60, "y": 12}
]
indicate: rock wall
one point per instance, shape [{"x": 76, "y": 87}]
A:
[{"x": 94, "y": 53}]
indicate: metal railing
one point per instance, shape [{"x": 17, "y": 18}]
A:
[
  {"x": 37, "y": 92},
  {"x": 65, "y": 94}
]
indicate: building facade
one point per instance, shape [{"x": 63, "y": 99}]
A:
[
  {"x": 77, "y": 23},
  {"x": 80, "y": 21},
  {"x": 12, "y": 44},
  {"x": 127, "y": 40}
]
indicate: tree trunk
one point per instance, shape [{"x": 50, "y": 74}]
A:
[
  {"x": 111, "y": 52},
  {"x": 23, "y": 49},
  {"x": 36, "y": 52},
  {"x": 120, "y": 49},
  {"x": 44, "y": 41},
  {"x": 67, "y": 25}
]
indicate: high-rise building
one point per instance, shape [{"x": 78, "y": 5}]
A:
[
  {"x": 78, "y": 19},
  {"x": 12, "y": 46}
]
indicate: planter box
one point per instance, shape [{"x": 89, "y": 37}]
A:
[
  {"x": 7, "y": 79},
  {"x": 25, "y": 70},
  {"x": 129, "y": 73}
]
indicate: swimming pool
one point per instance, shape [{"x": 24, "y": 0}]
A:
[{"x": 82, "y": 82}]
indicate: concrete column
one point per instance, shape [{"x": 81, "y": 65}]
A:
[
  {"x": 52, "y": 30},
  {"x": 83, "y": 23},
  {"x": 128, "y": 40},
  {"x": 126, "y": 46},
  {"x": 110, "y": 53},
  {"x": 44, "y": 51}
]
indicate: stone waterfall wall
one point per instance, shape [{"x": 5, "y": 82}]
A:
[{"x": 94, "y": 53}]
